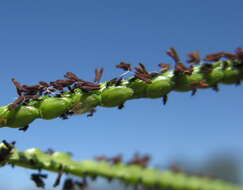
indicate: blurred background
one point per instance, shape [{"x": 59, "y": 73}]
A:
[{"x": 41, "y": 40}]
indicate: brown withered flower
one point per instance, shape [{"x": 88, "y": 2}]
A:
[
  {"x": 115, "y": 81},
  {"x": 194, "y": 57},
  {"x": 164, "y": 67},
  {"x": 143, "y": 77},
  {"x": 182, "y": 69},
  {"x": 142, "y": 73},
  {"x": 98, "y": 74},
  {"x": 116, "y": 159},
  {"x": 72, "y": 76},
  {"x": 230, "y": 56},
  {"x": 125, "y": 66},
  {"x": 139, "y": 160},
  {"x": 18, "y": 86},
  {"x": 214, "y": 56},
  {"x": 173, "y": 54}
]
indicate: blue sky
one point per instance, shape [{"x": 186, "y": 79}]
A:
[{"x": 41, "y": 40}]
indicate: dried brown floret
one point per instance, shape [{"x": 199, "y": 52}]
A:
[
  {"x": 114, "y": 81},
  {"x": 230, "y": 56},
  {"x": 72, "y": 76},
  {"x": 98, "y": 74},
  {"x": 182, "y": 69},
  {"x": 164, "y": 67},
  {"x": 32, "y": 88},
  {"x": 142, "y": 73},
  {"x": 141, "y": 69},
  {"x": 44, "y": 84},
  {"x": 179, "y": 67},
  {"x": 89, "y": 86},
  {"x": 125, "y": 66},
  {"x": 214, "y": 56},
  {"x": 194, "y": 57},
  {"x": 116, "y": 159},
  {"x": 173, "y": 54},
  {"x": 113, "y": 160},
  {"x": 56, "y": 85},
  {"x": 64, "y": 83},
  {"x": 18, "y": 86},
  {"x": 144, "y": 77},
  {"x": 139, "y": 160}
]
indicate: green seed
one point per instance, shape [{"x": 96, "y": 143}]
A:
[
  {"x": 159, "y": 87},
  {"x": 22, "y": 116},
  {"x": 139, "y": 88},
  {"x": 86, "y": 103},
  {"x": 4, "y": 115},
  {"x": 115, "y": 96},
  {"x": 54, "y": 107},
  {"x": 231, "y": 75},
  {"x": 215, "y": 76},
  {"x": 183, "y": 82}
]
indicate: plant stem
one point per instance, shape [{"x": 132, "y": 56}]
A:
[
  {"x": 160, "y": 85},
  {"x": 132, "y": 174}
]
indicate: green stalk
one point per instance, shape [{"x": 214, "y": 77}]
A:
[
  {"x": 132, "y": 175},
  {"x": 78, "y": 102}
]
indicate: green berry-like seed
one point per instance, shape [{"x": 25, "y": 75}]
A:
[
  {"x": 22, "y": 116},
  {"x": 115, "y": 96},
  {"x": 54, "y": 107},
  {"x": 159, "y": 87}
]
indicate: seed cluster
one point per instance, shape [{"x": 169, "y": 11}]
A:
[
  {"x": 28, "y": 93},
  {"x": 73, "y": 95}
]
